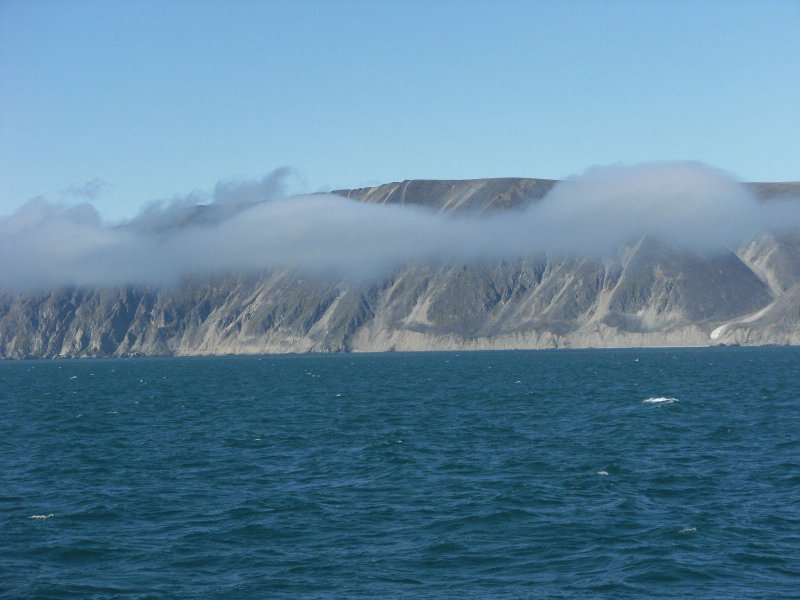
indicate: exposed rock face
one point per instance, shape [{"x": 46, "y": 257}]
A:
[
  {"x": 647, "y": 295},
  {"x": 471, "y": 194}
]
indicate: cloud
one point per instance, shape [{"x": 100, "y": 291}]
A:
[
  {"x": 228, "y": 198},
  {"x": 269, "y": 187},
  {"x": 687, "y": 204},
  {"x": 89, "y": 190},
  {"x": 247, "y": 226}
]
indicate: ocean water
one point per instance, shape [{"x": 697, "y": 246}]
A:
[{"x": 660, "y": 473}]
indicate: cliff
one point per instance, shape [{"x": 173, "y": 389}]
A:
[{"x": 648, "y": 294}]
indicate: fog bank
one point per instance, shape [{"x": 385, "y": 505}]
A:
[{"x": 249, "y": 226}]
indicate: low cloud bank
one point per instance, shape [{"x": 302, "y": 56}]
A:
[{"x": 249, "y": 226}]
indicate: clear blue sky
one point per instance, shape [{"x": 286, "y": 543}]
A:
[{"x": 156, "y": 99}]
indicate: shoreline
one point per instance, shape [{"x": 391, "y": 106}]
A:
[{"x": 390, "y": 352}]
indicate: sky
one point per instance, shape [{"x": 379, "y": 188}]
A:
[{"x": 123, "y": 103}]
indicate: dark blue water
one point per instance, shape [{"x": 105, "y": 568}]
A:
[{"x": 444, "y": 475}]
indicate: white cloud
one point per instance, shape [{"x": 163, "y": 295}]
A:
[{"x": 247, "y": 226}]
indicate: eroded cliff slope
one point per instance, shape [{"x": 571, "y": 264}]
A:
[{"x": 647, "y": 294}]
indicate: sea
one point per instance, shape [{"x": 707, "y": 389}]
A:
[{"x": 635, "y": 473}]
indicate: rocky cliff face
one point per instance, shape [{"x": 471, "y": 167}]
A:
[
  {"x": 647, "y": 295},
  {"x": 476, "y": 195}
]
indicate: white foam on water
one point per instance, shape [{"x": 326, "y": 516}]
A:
[
  {"x": 74, "y": 377},
  {"x": 41, "y": 516},
  {"x": 602, "y": 473},
  {"x": 660, "y": 400},
  {"x": 688, "y": 530}
]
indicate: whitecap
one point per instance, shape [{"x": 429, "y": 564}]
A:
[
  {"x": 41, "y": 516},
  {"x": 602, "y": 473},
  {"x": 660, "y": 400},
  {"x": 688, "y": 530},
  {"x": 74, "y": 377}
]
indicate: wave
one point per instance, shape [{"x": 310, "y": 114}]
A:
[{"x": 660, "y": 400}]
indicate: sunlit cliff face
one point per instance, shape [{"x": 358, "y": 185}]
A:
[{"x": 248, "y": 226}]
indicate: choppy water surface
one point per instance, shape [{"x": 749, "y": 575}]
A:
[{"x": 565, "y": 474}]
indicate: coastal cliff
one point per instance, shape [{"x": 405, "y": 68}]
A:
[{"x": 647, "y": 294}]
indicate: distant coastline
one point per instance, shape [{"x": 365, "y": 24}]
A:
[{"x": 648, "y": 295}]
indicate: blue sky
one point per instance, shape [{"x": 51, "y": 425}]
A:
[{"x": 152, "y": 100}]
